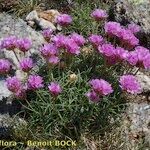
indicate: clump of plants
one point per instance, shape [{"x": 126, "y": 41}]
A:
[{"x": 78, "y": 88}]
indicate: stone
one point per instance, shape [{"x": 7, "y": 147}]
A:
[
  {"x": 44, "y": 24},
  {"x": 44, "y": 19},
  {"x": 4, "y": 92},
  {"x": 49, "y": 15},
  {"x": 32, "y": 16},
  {"x": 139, "y": 118},
  {"x": 144, "y": 80}
]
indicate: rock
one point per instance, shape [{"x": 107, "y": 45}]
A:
[
  {"x": 49, "y": 15},
  {"x": 144, "y": 80},
  {"x": 32, "y": 16},
  {"x": 43, "y": 19},
  {"x": 44, "y": 24},
  {"x": 138, "y": 119},
  {"x": 4, "y": 92}
]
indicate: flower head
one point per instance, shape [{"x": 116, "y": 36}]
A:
[
  {"x": 59, "y": 40},
  {"x": 48, "y": 50},
  {"x": 9, "y": 43},
  {"x": 26, "y": 64},
  {"x": 53, "y": 60},
  {"x": 47, "y": 33},
  {"x": 96, "y": 40},
  {"x": 134, "y": 28},
  {"x": 101, "y": 87},
  {"x": 21, "y": 94},
  {"x": 72, "y": 47},
  {"x": 13, "y": 84},
  {"x": 24, "y": 44},
  {"x": 92, "y": 96},
  {"x": 5, "y": 66},
  {"x": 64, "y": 19},
  {"x": 130, "y": 84},
  {"x": 79, "y": 39},
  {"x": 99, "y": 14},
  {"x": 54, "y": 88},
  {"x": 107, "y": 50},
  {"x": 35, "y": 82},
  {"x": 113, "y": 28}
]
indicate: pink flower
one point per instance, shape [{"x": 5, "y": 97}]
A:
[
  {"x": 26, "y": 64},
  {"x": 79, "y": 39},
  {"x": 99, "y": 14},
  {"x": 139, "y": 57},
  {"x": 35, "y": 82},
  {"x": 101, "y": 87},
  {"x": 21, "y": 94},
  {"x": 72, "y": 46},
  {"x": 146, "y": 62},
  {"x": 134, "y": 28},
  {"x": 132, "y": 58},
  {"x": 54, "y": 88},
  {"x": 59, "y": 40},
  {"x": 107, "y": 50},
  {"x": 113, "y": 28},
  {"x": 9, "y": 43},
  {"x": 5, "y": 66},
  {"x": 24, "y": 44},
  {"x": 128, "y": 38},
  {"x": 53, "y": 60},
  {"x": 13, "y": 84},
  {"x": 64, "y": 19},
  {"x": 130, "y": 84},
  {"x": 48, "y": 50},
  {"x": 120, "y": 53},
  {"x": 96, "y": 40},
  {"x": 93, "y": 96},
  {"x": 47, "y": 33}
]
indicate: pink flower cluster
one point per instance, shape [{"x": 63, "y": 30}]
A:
[
  {"x": 64, "y": 20},
  {"x": 112, "y": 54},
  {"x": 47, "y": 33},
  {"x": 99, "y": 14},
  {"x": 140, "y": 57},
  {"x": 70, "y": 43},
  {"x": 26, "y": 64},
  {"x": 126, "y": 36},
  {"x": 5, "y": 66},
  {"x": 54, "y": 88},
  {"x": 100, "y": 88},
  {"x": 96, "y": 40},
  {"x": 49, "y": 52},
  {"x": 35, "y": 82},
  {"x": 14, "y": 85},
  {"x": 12, "y": 42},
  {"x": 134, "y": 28},
  {"x": 130, "y": 84}
]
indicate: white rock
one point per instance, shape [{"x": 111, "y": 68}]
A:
[
  {"x": 4, "y": 92},
  {"x": 32, "y": 16},
  {"x": 44, "y": 24},
  {"x": 144, "y": 80}
]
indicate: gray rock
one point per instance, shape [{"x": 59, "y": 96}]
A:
[
  {"x": 44, "y": 24},
  {"x": 144, "y": 80},
  {"x": 139, "y": 116},
  {"x": 4, "y": 92},
  {"x": 32, "y": 16}
]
